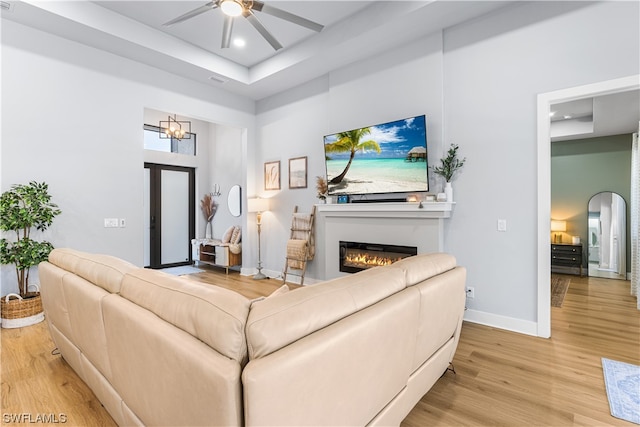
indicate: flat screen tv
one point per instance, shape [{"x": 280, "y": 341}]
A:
[{"x": 383, "y": 159}]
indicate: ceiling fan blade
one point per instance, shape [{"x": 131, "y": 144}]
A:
[
  {"x": 251, "y": 17},
  {"x": 194, "y": 12},
  {"x": 226, "y": 31},
  {"x": 283, "y": 14}
]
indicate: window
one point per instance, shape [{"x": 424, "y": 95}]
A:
[{"x": 152, "y": 141}]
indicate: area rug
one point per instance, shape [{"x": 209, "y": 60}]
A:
[
  {"x": 622, "y": 381},
  {"x": 559, "y": 287},
  {"x": 182, "y": 270}
]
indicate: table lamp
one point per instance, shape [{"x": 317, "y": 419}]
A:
[{"x": 557, "y": 225}]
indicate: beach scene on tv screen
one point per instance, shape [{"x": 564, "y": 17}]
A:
[{"x": 386, "y": 158}]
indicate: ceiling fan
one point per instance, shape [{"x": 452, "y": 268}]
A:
[{"x": 246, "y": 8}]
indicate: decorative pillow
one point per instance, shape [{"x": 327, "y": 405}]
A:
[
  {"x": 236, "y": 235},
  {"x": 226, "y": 238}
]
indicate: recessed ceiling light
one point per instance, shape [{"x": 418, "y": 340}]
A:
[
  {"x": 238, "y": 42},
  {"x": 567, "y": 117},
  {"x": 551, "y": 114}
]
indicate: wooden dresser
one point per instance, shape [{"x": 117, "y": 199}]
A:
[{"x": 566, "y": 258}]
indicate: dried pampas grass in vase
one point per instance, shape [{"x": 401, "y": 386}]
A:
[
  {"x": 209, "y": 208},
  {"x": 322, "y": 188}
]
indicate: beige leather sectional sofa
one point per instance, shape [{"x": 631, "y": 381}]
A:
[{"x": 162, "y": 350}]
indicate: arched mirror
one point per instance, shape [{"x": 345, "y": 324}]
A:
[
  {"x": 234, "y": 200},
  {"x": 607, "y": 236}
]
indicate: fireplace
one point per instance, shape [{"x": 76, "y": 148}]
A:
[{"x": 358, "y": 256}]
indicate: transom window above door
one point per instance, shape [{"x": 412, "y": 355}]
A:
[{"x": 153, "y": 141}]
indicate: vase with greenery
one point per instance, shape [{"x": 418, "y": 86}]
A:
[
  {"x": 448, "y": 167},
  {"x": 25, "y": 207}
]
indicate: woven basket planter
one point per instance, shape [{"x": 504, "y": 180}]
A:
[{"x": 17, "y": 312}]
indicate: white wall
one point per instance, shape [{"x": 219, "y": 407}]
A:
[
  {"x": 477, "y": 83},
  {"x": 289, "y": 126},
  {"x": 228, "y": 163},
  {"x": 72, "y": 116},
  {"x": 494, "y": 69}
]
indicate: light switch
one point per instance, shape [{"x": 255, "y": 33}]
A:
[{"x": 111, "y": 222}]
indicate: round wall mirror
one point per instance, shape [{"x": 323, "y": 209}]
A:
[{"x": 234, "y": 200}]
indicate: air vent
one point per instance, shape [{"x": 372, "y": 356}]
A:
[
  {"x": 218, "y": 78},
  {"x": 6, "y": 6}
]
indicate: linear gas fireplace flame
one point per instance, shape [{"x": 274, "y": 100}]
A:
[
  {"x": 358, "y": 256},
  {"x": 365, "y": 260}
]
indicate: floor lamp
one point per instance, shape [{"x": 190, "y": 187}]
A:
[{"x": 258, "y": 205}]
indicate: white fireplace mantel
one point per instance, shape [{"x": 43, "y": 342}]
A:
[
  {"x": 388, "y": 210},
  {"x": 404, "y": 223}
]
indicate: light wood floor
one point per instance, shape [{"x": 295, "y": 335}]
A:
[{"x": 503, "y": 378}]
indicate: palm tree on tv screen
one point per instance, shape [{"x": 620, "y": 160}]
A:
[{"x": 350, "y": 142}]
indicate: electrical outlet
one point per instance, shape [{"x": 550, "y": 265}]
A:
[
  {"x": 111, "y": 222},
  {"x": 502, "y": 225},
  {"x": 123, "y": 222},
  {"x": 471, "y": 292}
]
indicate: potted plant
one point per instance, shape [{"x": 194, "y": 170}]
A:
[
  {"x": 321, "y": 188},
  {"x": 449, "y": 165},
  {"x": 23, "y": 208}
]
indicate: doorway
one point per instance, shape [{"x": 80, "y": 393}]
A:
[
  {"x": 169, "y": 205},
  {"x": 545, "y": 100}
]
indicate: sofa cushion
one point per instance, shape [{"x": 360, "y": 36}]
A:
[
  {"x": 102, "y": 270},
  {"x": 421, "y": 267},
  {"x": 214, "y": 315},
  {"x": 276, "y": 322},
  {"x": 166, "y": 376},
  {"x": 442, "y": 300},
  {"x": 341, "y": 375}
]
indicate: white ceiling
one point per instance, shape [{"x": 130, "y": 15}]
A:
[
  {"x": 205, "y": 30},
  {"x": 613, "y": 114},
  {"x": 353, "y": 30}
]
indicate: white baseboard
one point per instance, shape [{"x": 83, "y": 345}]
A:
[
  {"x": 248, "y": 271},
  {"x": 503, "y": 322}
]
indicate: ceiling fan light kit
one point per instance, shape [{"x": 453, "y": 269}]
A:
[
  {"x": 231, "y": 8},
  {"x": 246, "y": 8}
]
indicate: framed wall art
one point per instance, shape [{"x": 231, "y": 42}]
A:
[
  {"x": 298, "y": 172},
  {"x": 272, "y": 175}
]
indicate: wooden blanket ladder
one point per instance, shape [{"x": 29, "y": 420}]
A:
[{"x": 301, "y": 244}]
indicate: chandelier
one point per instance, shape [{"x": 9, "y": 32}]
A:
[{"x": 174, "y": 128}]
